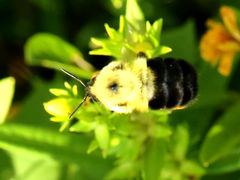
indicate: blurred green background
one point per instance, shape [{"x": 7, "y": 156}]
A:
[{"x": 27, "y": 155}]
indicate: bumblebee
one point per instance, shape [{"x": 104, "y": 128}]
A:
[{"x": 142, "y": 84}]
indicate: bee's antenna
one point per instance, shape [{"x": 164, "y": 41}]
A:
[
  {"x": 79, "y": 80},
  {"x": 84, "y": 99},
  {"x": 74, "y": 77}
]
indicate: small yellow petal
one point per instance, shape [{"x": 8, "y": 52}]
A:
[
  {"x": 58, "y": 119},
  {"x": 58, "y": 107},
  {"x": 67, "y": 85},
  {"x": 58, "y": 92},
  {"x": 225, "y": 65},
  {"x": 229, "y": 46},
  {"x": 213, "y": 24},
  {"x": 75, "y": 90},
  {"x": 230, "y": 21}
]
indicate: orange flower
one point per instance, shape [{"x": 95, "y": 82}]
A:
[{"x": 222, "y": 41}]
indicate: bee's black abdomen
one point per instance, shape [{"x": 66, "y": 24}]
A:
[
  {"x": 160, "y": 97},
  {"x": 174, "y": 79},
  {"x": 175, "y": 83},
  {"x": 190, "y": 82}
]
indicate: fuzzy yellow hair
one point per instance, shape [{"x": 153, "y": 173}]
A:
[{"x": 131, "y": 82}]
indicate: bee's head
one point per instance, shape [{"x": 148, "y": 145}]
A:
[{"x": 115, "y": 86}]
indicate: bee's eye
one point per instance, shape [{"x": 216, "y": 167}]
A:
[{"x": 114, "y": 87}]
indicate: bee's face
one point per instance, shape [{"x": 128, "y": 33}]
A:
[{"x": 116, "y": 87}]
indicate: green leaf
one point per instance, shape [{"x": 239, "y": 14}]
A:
[
  {"x": 154, "y": 159},
  {"x": 128, "y": 149},
  {"x": 43, "y": 142},
  {"x": 154, "y": 31},
  {"x": 113, "y": 34},
  {"x": 180, "y": 142},
  {"x": 127, "y": 170},
  {"x": 83, "y": 126},
  {"x": 48, "y": 47},
  {"x": 226, "y": 164},
  {"x": 222, "y": 137},
  {"x": 160, "y": 116},
  {"x": 158, "y": 51},
  {"x": 43, "y": 46},
  {"x": 160, "y": 131},
  {"x": 6, "y": 169},
  {"x": 29, "y": 167},
  {"x": 102, "y": 51},
  {"x": 157, "y": 28},
  {"x": 73, "y": 69},
  {"x": 192, "y": 168},
  {"x": 93, "y": 146},
  {"x": 102, "y": 135},
  {"x": 135, "y": 16},
  {"x": 109, "y": 47},
  {"x": 6, "y": 94}
]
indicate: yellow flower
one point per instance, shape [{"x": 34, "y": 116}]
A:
[
  {"x": 59, "y": 108},
  {"x": 222, "y": 41}
]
